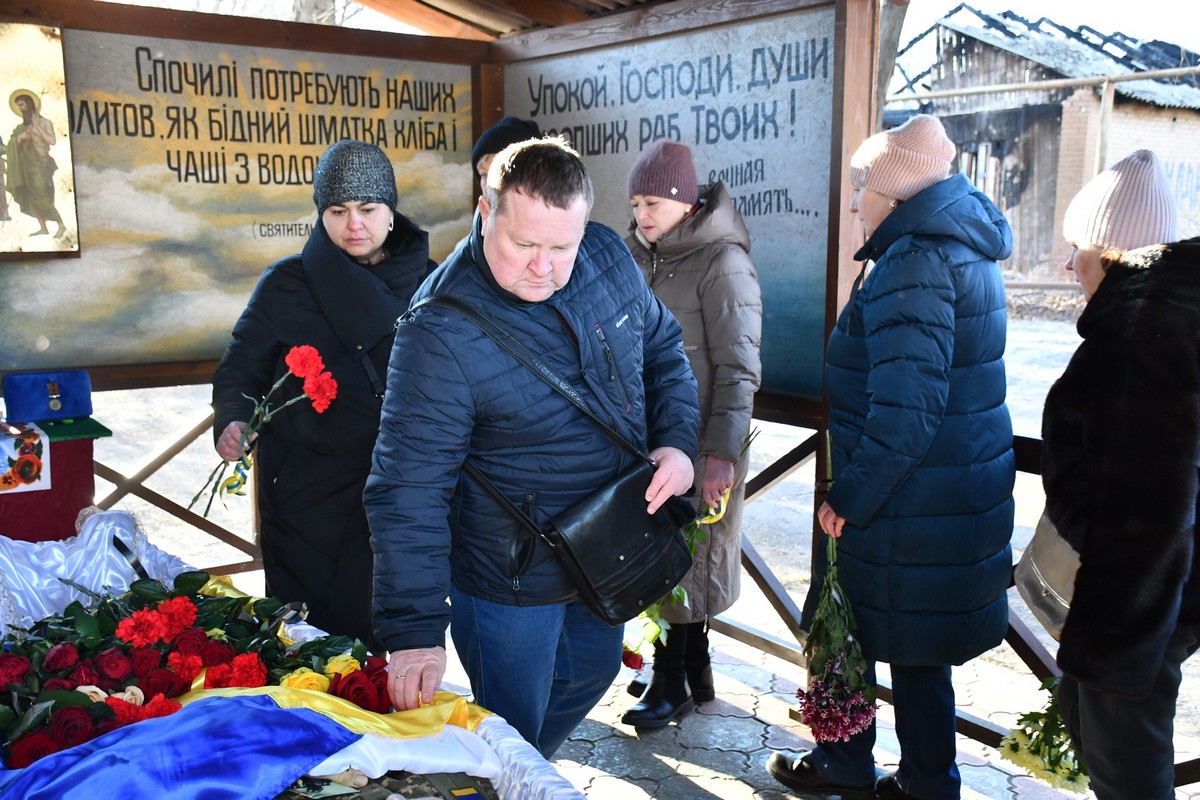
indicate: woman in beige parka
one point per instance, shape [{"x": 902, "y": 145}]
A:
[{"x": 693, "y": 249}]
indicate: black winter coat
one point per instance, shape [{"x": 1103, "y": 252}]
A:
[
  {"x": 311, "y": 467},
  {"x": 1121, "y": 447},
  {"x": 454, "y": 394}
]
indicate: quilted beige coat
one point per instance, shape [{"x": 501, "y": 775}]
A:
[{"x": 702, "y": 272}]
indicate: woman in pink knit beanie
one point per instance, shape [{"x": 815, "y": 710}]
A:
[
  {"x": 923, "y": 469},
  {"x": 1120, "y": 437}
]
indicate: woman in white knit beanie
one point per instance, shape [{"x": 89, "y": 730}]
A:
[
  {"x": 1127, "y": 206},
  {"x": 921, "y": 502},
  {"x": 1120, "y": 437}
]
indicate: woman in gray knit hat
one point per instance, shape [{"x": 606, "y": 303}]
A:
[{"x": 341, "y": 295}]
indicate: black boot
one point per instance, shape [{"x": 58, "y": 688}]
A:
[
  {"x": 698, "y": 664},
  {"x": 668, "y": 697}
]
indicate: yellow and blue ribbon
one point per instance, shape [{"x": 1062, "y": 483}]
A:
[{"x": 236, "y": 482}]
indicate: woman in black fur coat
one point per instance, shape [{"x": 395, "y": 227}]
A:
[{"x": 1121, "y": 434}]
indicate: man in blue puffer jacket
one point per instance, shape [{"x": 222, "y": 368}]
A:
[
  {"x": 570, "y": 291},
  {"x": 923, "y": 466}
]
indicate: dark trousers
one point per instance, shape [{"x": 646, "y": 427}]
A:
[
  {"x": 1127, "y": 745},
  {"x": 923, "y": 700}
]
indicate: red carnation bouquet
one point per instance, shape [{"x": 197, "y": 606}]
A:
[
  {"x": 74, "y": 676},
  {"x": 303, "y": 362}
]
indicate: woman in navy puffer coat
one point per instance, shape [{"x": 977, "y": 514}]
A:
[{"x": 922, "y": 453}]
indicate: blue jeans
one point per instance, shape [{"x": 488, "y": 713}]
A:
[
  {"x": 1128, "y": 744},
  {"x": 923, "y": 700},
  {"x": 542, "y": 668}
]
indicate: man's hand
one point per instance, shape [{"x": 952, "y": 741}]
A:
[
  {"x": 230, "y": 446},
  {"x": 673, "y": 476},
  {"x": 414, "y": 675}
]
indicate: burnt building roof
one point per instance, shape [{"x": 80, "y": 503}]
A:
[{"x": 1082, "y": 52}]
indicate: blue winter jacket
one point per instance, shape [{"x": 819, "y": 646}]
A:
[
  {"x": 922, "y": 440},
  {"x": 454, "y": 394}
]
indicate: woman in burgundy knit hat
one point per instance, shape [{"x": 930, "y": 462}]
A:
[{"x": 693, "y": 249}]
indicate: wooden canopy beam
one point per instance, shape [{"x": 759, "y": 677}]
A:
[{"x": 428, "y": 19}]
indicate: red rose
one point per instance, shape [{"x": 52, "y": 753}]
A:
[
  {"x": 304, "y": 360},
  {"x": 84, "y": 674},
  {"x": 13, "y": 668},
  {"x": 190, "y": 642},
  {"x": 162, "y": 681},
  {"x": 57, "y": 685},
  {"x": 145, "y": 659},
  {"x": 110, "y": 685},
  {"x": 114, "y": 664},
  {"x": 217, "y": 652},
  {"x": 376, "y": 669},
  {"x": 62, "y": 656},
  {"x": 27, "y": 468},
  {"x": 71, "y": 726},
  {"x": 358, "y": 688},
  {"x": 30, "y": 747},
  {"x": 632, "y": 660}
]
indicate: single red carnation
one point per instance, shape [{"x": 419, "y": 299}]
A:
[
  {"x": 218, "y": 676},
  {"x": 187, "y": 667},
  {"x": 303, "y": 361},
  {"x": 127, "y": 713},
  {"x": 321, "y": 389},
  {"x": 177, "y": 613},
  {"x": 159, "y": 707},
  {"x": 141, "y": 628},
  {"x": 13, "y": 668},
  {"x": 248, "y": 670},
  {"x": 62, "y": 656},
  {"x": 30, "y": 747},
  {"x": 72, "y": 725}
]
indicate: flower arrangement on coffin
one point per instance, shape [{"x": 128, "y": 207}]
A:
[
  {"x": 840, "y": 701},
  {"x": 1041, "y": 745},
  {"x": 303, "y": 362},
  {"x": 74, "y": 676}
]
